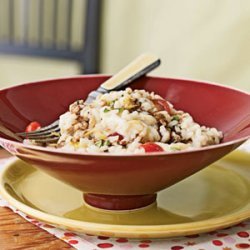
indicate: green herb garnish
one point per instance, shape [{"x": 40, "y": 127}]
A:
[
  {"x": 106, "y": 110},
  {"x": 111, "y": 103},
  {"x": 120, "y": 110},
  {"x": 99, "y": 143},
  {"x": 176, "y": 118},
  {"x": 107, "y": 143}
]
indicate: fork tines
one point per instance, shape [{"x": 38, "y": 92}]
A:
[{"x": 48, "y": 134}]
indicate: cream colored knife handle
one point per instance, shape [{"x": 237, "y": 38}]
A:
[{"x": 139, "y": 67}]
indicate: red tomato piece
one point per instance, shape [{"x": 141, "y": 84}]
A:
[
  {"x": 151, "y": 147},
  {"x": 33, "y": 126},
  {"x": 120, "y": 137},
  {"x": 162, "y": 105}
]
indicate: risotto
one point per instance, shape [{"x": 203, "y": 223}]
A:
[{"x": 131, "y": 121}]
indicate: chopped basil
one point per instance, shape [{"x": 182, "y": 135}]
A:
[
  {"x": 120, "y": 110},
  {"x": 106, "y": 110},
  {"x": 107, "y": 143},
  {"x": 175, "y": 147},
  {"x": 111, "y": 104},
  {"x": 99, "y": 143},
  {"x": 176, "y": 118}
]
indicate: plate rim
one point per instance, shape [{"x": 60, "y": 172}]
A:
[{"x": 128, "y": 231}]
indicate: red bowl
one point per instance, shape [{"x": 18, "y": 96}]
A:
[{"x": 124, "y": 181}]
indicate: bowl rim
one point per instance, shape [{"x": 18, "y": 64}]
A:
[{"x": 103, "y": 154}]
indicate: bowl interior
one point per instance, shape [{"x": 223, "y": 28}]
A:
[
  {"x": 210, "y": 104},
  {"x": 113, "y": 179}
]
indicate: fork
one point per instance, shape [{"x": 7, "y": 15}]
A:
[{"x": 137, "y": 68}]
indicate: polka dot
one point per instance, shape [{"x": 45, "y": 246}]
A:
[
  {"x": 122, "y": 240},
  {"x": 28, "y": 217},
  {"x": 105, "y": 245},
  {"x": 144, "y": 245},
  {"x": 193, "y": 236},
  {"x": 48, "y": 226},
  {"x": 243, "y": 246},
  {"x": 217, "y": 243},
  {"x": 212, "y": 233},
  {"x": 177, "y": 248},
  {"x": 243, "y": 234},
  {"x": 221, "y": 235},
  {"x": 241, "y": 225},
  {"x": 73, "y": 242},
  {"x": 103, "y": 237},
  {"x": 69, "y": 234}
]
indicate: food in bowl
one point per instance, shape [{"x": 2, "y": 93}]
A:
[{"x": 131, "y": 121}]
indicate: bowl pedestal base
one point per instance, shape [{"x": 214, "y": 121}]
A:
[{"x": 119, "y": 202}]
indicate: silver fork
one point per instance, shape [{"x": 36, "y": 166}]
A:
[{"x": 137, "y": 68}]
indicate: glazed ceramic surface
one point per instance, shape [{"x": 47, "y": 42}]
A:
[
  {"x": 210, "y": 104},
  {"x": 214, "y": 198}
]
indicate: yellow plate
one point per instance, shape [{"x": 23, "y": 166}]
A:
[{"x": 214, "y": 198}]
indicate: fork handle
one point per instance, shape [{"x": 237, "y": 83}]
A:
[{"x": 137, "y": 68}]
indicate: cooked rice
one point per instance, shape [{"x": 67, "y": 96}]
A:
[{"x": 122, "y": 121}]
